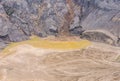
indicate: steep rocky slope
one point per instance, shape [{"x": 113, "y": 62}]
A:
[{"x": 20, "y": 19}]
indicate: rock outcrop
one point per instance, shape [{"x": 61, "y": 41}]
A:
[
  {"x": 20, "y": 19},
  {"x": 100, "y": 36},
  {"x": 103, "y": 14}
]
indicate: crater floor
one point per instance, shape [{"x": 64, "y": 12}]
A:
[{"x": 53, "y": 60}]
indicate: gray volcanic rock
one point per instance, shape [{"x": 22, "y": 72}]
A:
[
  {"x": 78, "y": 30},
  {"x": 19, "y": 14},
  {"x": 16, "y": 35},
  {"x": 9, "y": 29},
  {"x": 20, "y": 19},
  {"x": 4, "y": 22},
  {"x": 100, "y": 36},
  {"x": 104, "y": 15},
  {"x": 2, "y": 45}
]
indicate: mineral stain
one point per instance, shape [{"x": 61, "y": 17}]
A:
[{"x": 49, "y": 44}]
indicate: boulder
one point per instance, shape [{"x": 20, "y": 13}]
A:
[{"x": 100, "y": 36}]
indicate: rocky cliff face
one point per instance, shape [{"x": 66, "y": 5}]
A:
[
  {"x": 19, "y": 19},
  {"x": 103, "y": 15}
]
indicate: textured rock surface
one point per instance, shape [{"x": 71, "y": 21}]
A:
[
  {"x": 104, "y": 14},
  {"x": 21, "y": 18},
  {"x": 100, "y": 36}
]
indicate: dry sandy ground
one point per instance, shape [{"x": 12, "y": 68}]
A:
[{"x": 97, "y": 62}]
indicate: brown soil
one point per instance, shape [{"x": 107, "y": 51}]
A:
[{"x": 98, "y": 62}]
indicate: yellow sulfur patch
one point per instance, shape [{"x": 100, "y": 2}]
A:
[{"x": 50, "y": 44}]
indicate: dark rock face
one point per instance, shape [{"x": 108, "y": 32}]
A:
[
  {"x": 104, "y": 15},
  {"x": 100, "y": 15},
  {"x": 100, "y": 36},
  {"x": 21, "y": 18},
  {"x": 78, "y": 30},
  {"x": 26, "y": 17}
]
